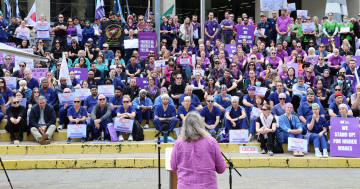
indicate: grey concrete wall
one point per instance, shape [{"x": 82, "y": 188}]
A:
[{"x": 42, "y": 7}]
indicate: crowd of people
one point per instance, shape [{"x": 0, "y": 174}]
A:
[{"x": 288, "y": 84}]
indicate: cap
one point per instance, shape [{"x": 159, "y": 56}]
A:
[
  {"x": 234, "y": 98},
  {"x": 282, "y": 95},
  {"x": 217, "y": 60},
  {"x": 67, "y": 90},
  {"x": 251, "y": 88},
  {"x": 0, "y": 12},
  {"x": 288, "y": 105},
  {"x": 342, "y": 106},
  {"x": 261, "y": 15},
  {"x": 164, "y": 96},
  {"x": 118, "y": 14},
  {"x": 223, "y": 86},
  {"x": 305, "y": 64},
  {"x": 209, "y": 98},
  {"x": 315, "y": 105},
  {"x": 163, "y": 89},
  {"x": 338, "y": 94},
  {"x": 310, "y": 93},
  {"x": 111, "y": 13},
  {"x": 133, "y": 14},
  {"x": 151, "y": 13},
  {"x": 105, "y": 45}
]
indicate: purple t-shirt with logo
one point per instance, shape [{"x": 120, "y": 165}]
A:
[
  {"x": 283, "y": 23},
  {"x": 275, "y": 62},
  {"x": 227, "y": 23},
  {"x": 211, "y": 26}
]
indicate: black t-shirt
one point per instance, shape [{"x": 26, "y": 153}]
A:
[
  {"x": 258, "y": 120},
  {"x": 72, "y": 50},
  {"x": 228, "y": 83},
  {"x": 57, "y": 52},
  {"x": 61, "y": 33},
  {"x": 87, "y": 55}
]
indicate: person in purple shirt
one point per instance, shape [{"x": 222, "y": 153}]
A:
[
  {"x": 273, "y": 59},
  {"x": 244, "y": 18},
  {"x": 312, "y": 57},
  {"x": 222, "y": 48},
  {"x": 299, "y": 50},
  {"x": 227, "y": 29},
  {"x": 335, "y": 62},
  {"x": 283, "y": 26},
  {"x": 196, "y": 29},
  {"x": 211, "y": 29},
  {"x": 280, "y": 52},
  {"x": 259, "y": 58}
]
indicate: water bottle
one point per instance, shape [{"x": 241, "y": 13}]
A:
[
  {"x": 102, "y": 135},
  {"x": 165, "y": 135}
]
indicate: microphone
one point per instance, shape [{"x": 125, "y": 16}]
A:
[{"x": 163, "y": 128}]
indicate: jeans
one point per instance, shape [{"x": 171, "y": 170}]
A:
[
  {"x": 269, "y": 141},
  {"x": 319, "y": 142},
  {"x": 188, "y": 71},
  {"x": 287, "y": 135},
  {"x": 172, "y": 124},
  {"x": 226, "y": 38},
  {"x": 281, "y": 38}
]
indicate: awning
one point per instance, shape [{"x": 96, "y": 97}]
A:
[{"x": 17, "y": 52}]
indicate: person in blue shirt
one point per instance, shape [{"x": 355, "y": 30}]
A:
[
  {"x": 211, "y": 115},
  {"x": 116, "y": 101},
  {"x": 299, "y": 90},
  {"x": 92, "y": 99},
  {"x": 266, "y": 27},
  {"x": 48, "y": 93},
  {"x": 88, "y": 33},
  {"x": 6, "y": 92},
  {"x": 350, "y": 72},
  {"x": 3, "y": 25},
  {"x": 63, "y": 110},
  {"x": 158, "y": 101},
  {"x": 195, "y": 101},
  {"x": 289, "y": 126},
  {"x": 126, "y": 111},
  {"x": 235, "y": 116},
  {"x": 143, "y": 107},
  {"x": 109, "y": 54},
  {"x": 31, "y": 82},
  {"x": 305, "y": 110},
  {"x": 26, "y": 92},
  {"x": 249, "y": 100},
  {"x": 222, "y": 100},
  {"x": 185, "y": 109},
  {"x": 117, "y": 81},
  {"x": 334, "y": 107},
  {"x": 165, "y": 114},
  {"x": 274, "y": 97},
  {"x": 100, "y": 117},
  {"x": 272, "y": 22},
  {"x": 133, "y": 69},
  {"x": 75, "y": 82},
  {"x": 317, "y": 127},
  {"x": 77, "y": 115}
]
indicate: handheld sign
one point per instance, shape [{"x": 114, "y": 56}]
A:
[
  {"x": 303, "y": 13},
  {"x": 69, "y": 39},
  {"x": 147, "y": 42},
  {"x": 230, "y": 48},
  {"x": 80, "y": 73},
  {"x": 308, "y": 27},
  {"x": 142, "y": 82},
  {"x": 184, "y": 61},
  {"x": 344, "y": 137},
  {"x": 260, "y": 90},
  {"x": 82, "y": 93},
  {"x": 356, "y": 58},
  {"x": 178, "y": 131},
  {"x": 11, "y": 82},
  {"x": 22, "y": 102},
  {"x": 29, "y": 62},
  {"x": 198, "y": 71},
  {"x": 106, "y": 90},
  {"x": 239, "y": 136},
  {"x": 268, "y": 5},
  {"x": 160, "y": 64},
  {"x": 23, "y": 34},
  {"x": 255, "y": 113},
  {"x": 43, "y": 35},
  {"x": 123, "y": 125},
  {"x": 38, "y": 72},
  {"x": 256, "y": 32},
  {"x": 325, "y": 40},
  {"x": 66, "y": 98},
  {"x": 131, "y": 44},
  {"x": 292, "y": 7},
  {"x": 297, "y": 144},
  {"x": 249, "y": 149},
  {"x": 245, "y": 32},
  {"x": 76, "y": 130}
]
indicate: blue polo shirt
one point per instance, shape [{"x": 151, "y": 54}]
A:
[
  {"x": 117, "y": 82},
  {"x": 275, "y": 98},
  {"x": 50, "y": 95},
  {"x": 335, "y": 108},
  {"x": 31, "y": 84},
  {"x": 132, "y": 70},
  {"x": 113, "y": 100},
  {"x": 265, "y": 26},
  {"x": 272, "y": 23},
  {"x": 306, "y": 110},
  {"x": 195, "y": 101},
  {"x": 219, "y": 100},
  {"x": 210, "y": 117},
  {"x": 170, "y": 111},
  {"x": 72, "y": 112},
  {"x": 90, "y": 102},
  {"x": 7, "y": 94}
]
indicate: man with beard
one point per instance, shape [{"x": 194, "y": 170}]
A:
[
  {"x": 116, "y": 101},
  {"x": 100, "y": 117},
  {"x": 259, "y": 56},
  {"x": 63, "y": 85},
  {"x": 143, "y": 107},
  {"x": 165, "y": 114},
  {"x": 334, "y": 107},
  {"x": 132, "y": 90},
  {"x": 305, "y": 110},
  {"x": 335, "y": 61},
  {"x": 48, "y": 93},
  {"x": 92, "y": 99},
  {"x": 217, "y": 72},
  {"x": 211, "y": 28},
  {"x": 91, "y": 79},
  {"x": 229, "y": 82},
  {"x": 196, "y": 29},
  {"x": 312, "y": 58}
]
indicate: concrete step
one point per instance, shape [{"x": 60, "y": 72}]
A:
[{"x": 97, "y": 160}]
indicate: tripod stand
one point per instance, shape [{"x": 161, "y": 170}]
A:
[
  {"x": 231, "y": 166},
  {"x": 2, "y": 164}
]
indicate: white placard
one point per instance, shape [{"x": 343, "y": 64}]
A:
[
  {"x": 249, "y": 149},
  {"x": 68, "y": 39},
  {"x": 260, "y": 90},
  {"x": 297, "y": 144},
  {"x": 29, "y": 62},
  {"x": 345, "y": 29},
  {"x": 23, "y": 34},
  {"x": 66, "y": 98},
  {"x": 239, "y": 136},
  {"x": 184, "y": 61},
  {"x": 131, "y": 43},
  {"x": 255, "y": 113},
  {"x": 22, "y": 102},
  {"x": 178, "y": 131},
  {"x": 11, "y": 82},
  {"x": 82, "y": 93},
  {"x": 123, "y": 125},
  {"x": 106, "y": 90},
  {"x": 160, "y": 63},
  {"x": 256, "y": 32},
  {"x": 198, "y": 71},
  {"x": 113, "y": 67},
  {"x": 76, "y": 130},
  {"x": 43, "y": 35}
]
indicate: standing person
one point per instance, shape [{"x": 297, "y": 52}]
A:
[
  {"x": 346, "y": 35},
  {"x": 11, "y": 30},
  {"x": 60, "y": 28},
  {"x": 283, "y": 26},
  {"x": 130, "y": 24},
  {"x": 211, "y": 29},
  {"x": 88, "y": 33},
  {"x": 272, "y": 22},
  {"x": 71, "y": 30},
  {"x": 141, "y": 24},
  {"x": 239, "y": 22},
  {"x": 227, "y": 29},
  {"x": 266, "y": 26},
  {"x": 194, "y": 139},
  {"x": 148, "y": 27},
  {"x": 357, "y": 33},
  {"x": 21, "y": 29},
  {"x": 16, "y": 120},
  {"x": 330, "y": 26},
  {"x": 100, "y": 116},
  {"x": 79, "y": 27},
  {"x": 196, "y": 30},
  {"x": 42, "y": 22},
  {"x": 186, "y": 32}
]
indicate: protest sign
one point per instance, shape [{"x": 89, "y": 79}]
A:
[
  {"x": 178, "y": 131},
  {"x": 303, "y": 13},
  {"x": 198, "y": 71},
  {"x": 123, "y": 125},
  {"x": 142, "y": 82},
  {"x": 38, "y": 72},
  {"x": 2, "y": 55},
  {"x": 308, "y": 27},
  {"x": 82, "y": 93},
  {"x": 344, "y": 137},
  {"x": 357, "y": 59},
  {"x": 11, "y": 82},
  {"x": 131, "y": 44},
  {"x": 23, "y": 34},
  {"x": 268, "y": 5},
  {"x": 325, "y": 40},
  {"x": 76, "y": 130},
  {"x": 249, "y": 149},
  {"x": 80, "y": 73},
  {"x": 147, "y": 42},
  {"x": 22, "y": 102},
  {"x": 184, "y": 61},
  {"x": 239, "y": 136},
  {"x": 291, "y": 7},
  {"x": 113, "y": 33},
  {"x": 69, "y": 39},
  {"x": 295, "y": 66},
  {"x": 245, "y": 32},
  {"x": 255, "y": 113},
  {"x": 230, "y": 49},
  {"x": 29, "y": 62},
  {"x": 260, "y": 90},
  {"x": 256, "y": 33},
  {"x": 160, "y": 63},
  {"x": 66, "y": 98},
  {"x": 297, "y": 144},
  {"x": 43, "y": 35},
  {"x": 106, "y": 90}
]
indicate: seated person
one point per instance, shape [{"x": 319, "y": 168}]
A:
[
  {"x": 317, "y": 127},
  {"x": 116, "y": 101},
  {"x": 195, "y": 101},
  {"x": 25, "y": 91},
  {"x": 91, "y": 79},
  {"x": 289, "y": 126},
  {"x": 48, "y": 92},
  {"x": 152, "y": 91},
  {"x": 198, "y": 85},
  {"x": 176, "y": 90},
  {"x": 217, "y": 72},
  {"x": 331, "y": 99},
  {"x": 98, "y": 74},
  {"x": 346, "y": 90},
  {"x": 100, "y": 117},
  {"x": 185, "y": 109},
  {"x": 133, "y": 69},
  {"x": 16, "y": 120},
  {"x": 249, "y": 100},
  {"x": 305, "y": 110},
  {"x": 126, "y": 112},
  {"x": 299, "y": 90},
  {"x": 355, "y": 101},
  {"x": 235, "y": 115},
  {"x": 63, "y": 109},
  {"x": 143, "y": 107},
  {"x": 229, "y": 82},
  {"x": 132, "y": 90},
  {"x": 279, "y": 109},
  {"x": 259, "y": 103},
  {"x": 158, "y": 99},
  {"x": 274, "y": 97},
  {"x": 350, "y": 72},
  {"x": 335, "y": 61},
  {"x": 222, "y": 100},
  {"x": 31, "y": 82},
  {"x": 91, "y": 100},
  {"x": 266, "y": 127},
  {"x": 42, "y": 121},
  {"x": 77, "y": 115},
  {"x": 165, "y": 114},
  {"x": 334, "y": 107},
  {"x": 211, "y": 115}
]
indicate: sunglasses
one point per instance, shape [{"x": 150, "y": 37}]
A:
[
  {"x": 341, "y": 72},
  {"x": 73, "y": 43},
  {"x": 299, "y": 56},
  {"x": 187, "y": 41},
  {"x": 251, "y": 65},
  {"x": 125, "y": 101},
  {"x": 90, "y": 74},
  {"x": 76, "y": 101},
  {"x": 264, "y": 109},
  {"x": 211, "y": 101},
  {"x": 273, "y": 53},
  {"x": 40, "y": 42},
  {"x": 15, "y": 102},
  {"x": 273, "y": 13},
  {"x": 101, "y": 99},
  {"x": 308, "y": 71},
  {"x": 321, "y": 46},
  {"x": 36, "y": 92},
  {"x": 163, "y": 42},
  {"x": 87, "y": 46},
  {"x": 337, "y": 89},
  {"x": 141, "y": 19},
  {"x": 217, "y": 63},
  {"x": 179, "y": 78},
  {"x": 148, "y": 22},
  {"x": 58, "y": 65},
  {"x": 233, "y": 66},
  {"x": 151, "y": 53},
  {"x": 298, "y": 46},
  {"x": 22, "y": 65},
  {"x": 332, "y": 40},
  {"x": 320, "y": 59},
  {"x": 253, "y": 58},
  {"x": 57, "y": 42},
  {"x": 281, "y": 98}
]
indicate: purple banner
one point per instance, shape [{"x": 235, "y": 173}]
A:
[
  {"x": 231, "y": 49},
  {"x": 2, "y": 55},
  {"x": 147, "y": 42},
  {"x": 80, "y": 73},
  {"x": 344, "y": 137},
  {"x": 245, "y": 32},
  {"x": 38, "y": 72},
  {"x": 357, "y": 58},
  {"x": 142, "y": 82},
  {"x": 325, "y": 40}
]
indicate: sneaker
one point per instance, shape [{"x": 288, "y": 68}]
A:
[
  {"x": 97, "y": 138},
  {"x": 318, "y": 153},
  {"x": 60, "y": 127},
  {"x": 20, "y": 138},
  {"x": 325, "y": 153},
  {"x": 146, "y": 126},
  {"x": 69, "y": 141},
  {"x": 300, "y": 153},
  {"x": 83, "y": 140},
  {"x": 263, "y": 151},
  {"x": 270, "y": 153},
  {"x": 121, "y": 138},
  {"x": 130, "y": 138},
  {"x": 295, "y": 153}
]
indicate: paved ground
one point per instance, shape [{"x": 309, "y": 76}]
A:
[{"x": 147, "y": 178}]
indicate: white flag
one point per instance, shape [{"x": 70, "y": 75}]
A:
[
  {"x": 32, "y": 15},
  {"x": 64, "y": 70}
]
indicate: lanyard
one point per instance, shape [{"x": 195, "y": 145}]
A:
[{"x": 217, "y": 75}]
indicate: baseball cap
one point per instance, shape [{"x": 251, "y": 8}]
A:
[
  {"x": 217, "y": 60},
  {"x": 133, "y": 14},
  {"x": 338, "y": 94},
  {"x": 151, "y": 13},
  {"x": 111, "y": 13},
  {"x": 0, "y": 12},
  {"x": 251, "y": 88},
  {"x": 310, "y": 93},
  {"x": 105, "y": 45},
  {"x": 262, "y": 15},
  {"x": 118, "y": 14}
]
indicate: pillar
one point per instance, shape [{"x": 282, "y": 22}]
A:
[
  {"x": 166, "y": 4},
  {"x": 337, "y": 7},
  {"x": 42, "y": 7}
]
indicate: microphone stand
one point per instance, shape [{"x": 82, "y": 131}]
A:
[
  {"x": 231, "y": 166},
  {"x": 6, "y": 173},
  {"x": 159, "y": 148}
]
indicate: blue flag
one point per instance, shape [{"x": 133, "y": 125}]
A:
[
  {"x": 7, "y": 9},
  {"x": 119, "y": 10},
  {"x": 17, "y": 9}
]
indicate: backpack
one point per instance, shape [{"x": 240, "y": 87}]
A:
[{"x": 138, "y": 132}]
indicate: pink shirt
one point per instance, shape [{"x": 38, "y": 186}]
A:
[{"x": 196, "y": 162}]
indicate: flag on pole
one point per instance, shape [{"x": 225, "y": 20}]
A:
[
  {"x": 169, "y": 11},
  {"x": 17, "y": 9},
  {"x": 147, "y": 11},
  {"x": 127, "y": 6},
  {"x": 7, "y": 9},
  {"x": 32, "y": 15},
  {"x": 100, "y": 9},
  {"x": 64, "y": 70},
  {"x": 119, "y": 10}
]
